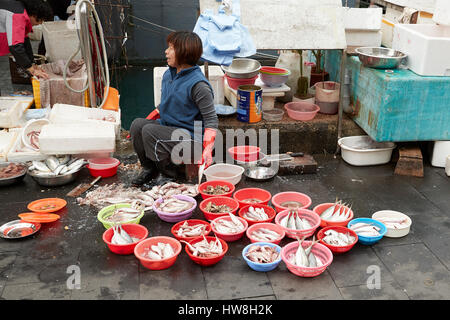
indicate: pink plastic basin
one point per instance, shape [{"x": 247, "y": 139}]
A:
[{"x": 303, "y": 111}]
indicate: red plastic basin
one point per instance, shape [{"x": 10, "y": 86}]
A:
[
  {"x": 139, "y": 251},
  {"x": 206, "y": 262},
  {"x": 104, "y": 173},
  {"x": 268, "y": 210},
  {"x": 252, "y": 193},
  {"x": 229, "y": 237},
  {"x": 319, "y": 209},
  {"x": 134, "y": 230},
  {"x": 202, "y": 187},
  {"x": 234, "y": 83},
  {"x": 245, "y": 153},
  {"x": 274, "y": 70},
  {"x": 103, "y": 163},
  {"x": 337, "y": 249},
  {"x": 233, "y": 204},
  {"x": 190, "y": 222},
  {"x": 282, "y": 197}
]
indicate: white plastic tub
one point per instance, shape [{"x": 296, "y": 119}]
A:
[
  {"x": 441, "y": 150},
  {"x": 363, "y": 151},
  {"x": 224, "y": 171},
  {"x": 61, "y": 40},
  {"x": 391, "y": 232}
]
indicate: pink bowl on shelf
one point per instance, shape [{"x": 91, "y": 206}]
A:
[{"x": 303, "y": 111}]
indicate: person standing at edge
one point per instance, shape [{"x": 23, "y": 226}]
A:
[
  {"x": 17, "y": 18},
  {"x": 186, "y": 97}
]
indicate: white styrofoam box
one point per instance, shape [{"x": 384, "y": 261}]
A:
[
  {"x": 65, "y": 113},
  {"x": 362, "y": 18},
  {"x": 76, "y": 138},
  {"x": 447, "y": 166},
  {"x": 363, "y": 38},
  {"x": 442, "y": 12},
  {"x": 7, "y": 139},
  {"x": 387, "y": 31},
  {"x": 427, "y": 47},
  {"x": 441, "y": 150},
  {"x": 12, "y": 109},
  {"x": 216, "y": 79},
  {"x": 19, "y": 153},
  {"x": 61, "y": 40},
  {"x": 36, "y": 34}
]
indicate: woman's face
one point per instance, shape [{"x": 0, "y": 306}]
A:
[
  {"x": 35, "y": 21},
  {"x": 170, "y": 56}
]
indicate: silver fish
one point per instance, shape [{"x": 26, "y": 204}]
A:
[
  {"x": 52, "y": 162},
  {"x": 40, "y": 166}
]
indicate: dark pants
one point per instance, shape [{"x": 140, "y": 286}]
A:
[{"x": 154, "y": 143}]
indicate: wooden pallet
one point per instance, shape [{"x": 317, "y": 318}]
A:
[{"x": 410, "y": 162}]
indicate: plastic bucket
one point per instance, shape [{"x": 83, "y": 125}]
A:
[
  {"x": 249, "y": 103},
  {"x": 327, "y": 91}
]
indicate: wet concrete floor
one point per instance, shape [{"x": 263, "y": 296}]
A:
[{"x": 413, "y": 267}]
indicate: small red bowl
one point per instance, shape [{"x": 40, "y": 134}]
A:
[
  {"x": 229, "y": 237},
  {"x": 282, "y": 197},
  {"x": 319, "y": 209},
  {"x": 191, "y": 222},
  {"x": 157, "y": 264},
  {"x": 252, "y": 193},
  {"x": 234, "y": 83},
  {"x": 206, "y": 262},
  {"x": 134, "y": 230},
  {"x": 202, "y": 187},
  {"x": 245, "y": 153},
  {"x": 268, "y": 210},
  {"x": 337, "y": 249},
  {"x": 270, "y": 226},
  {"x": 233, "y": 204},
  {"x": 104, "y": 173}
]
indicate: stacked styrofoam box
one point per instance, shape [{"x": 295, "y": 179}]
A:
[
  {"x": 442, "y": 12},
  {"x": 427, "y": 47},
  {"x": 76, "y": 138},
  {"x": 65, "y": 113},
  {"x": 19, "y": 153},
  {"x": 216, "y": 79},
  {"x": 12, "y": 109},
  {"x": 61, "y": 40},
  {"x": 7, "y": 139},
  {"x": 363, "y": 26}
]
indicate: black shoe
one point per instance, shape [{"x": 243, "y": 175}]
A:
[
  {"x": 144, "y": 176},
  {"x": 167, "y": 168}
]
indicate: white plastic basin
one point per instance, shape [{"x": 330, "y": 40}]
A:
[
  {"x": 224, "y": 171},
  {"x": 363, "y": 151}
]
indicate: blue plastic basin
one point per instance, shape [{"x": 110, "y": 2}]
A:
[
  {"x": 262, "y": 267},
  {"x": 369, "y": 240}
]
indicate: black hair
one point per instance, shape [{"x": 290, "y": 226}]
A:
[
  {"x": 188, "y": 47},
  {"x": 41, "y": 9}
]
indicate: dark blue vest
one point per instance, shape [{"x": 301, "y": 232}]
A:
[{"x": 177, "y": 109}]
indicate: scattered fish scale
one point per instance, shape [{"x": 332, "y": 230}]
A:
[
  {"x": 294, "y": 221},
  {"x": 336, "y": 238},
  {"x": 172, "y": 204},
  {"x": 159, "y": 252},
  {"x": 366, "y": 229},
  {"x": 265, "y": 234},
  {"x": 262, "y": 254},
  {"x": 257, "y": 214},
  {"x": 194, "y": 230},
  {"x": 205, "y": 249},
  {"x": 229, "y": 226},
  {"x": 217, "y": 190},
  {"x": 337, "y": 212}
]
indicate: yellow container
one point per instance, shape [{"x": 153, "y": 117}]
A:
[{"x": 37, "y": 94}]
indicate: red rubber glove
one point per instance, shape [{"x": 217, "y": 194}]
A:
[
  {"x": 208, "y": 145},
  {"x": 153, "y": 115}
]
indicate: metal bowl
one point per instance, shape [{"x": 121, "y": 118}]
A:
[
  {"x": 9, "y": 181},
  {"x": 18, "y": 229},
  {"x": 242, "y": 68},
  {"x": 380, "y": 58},
  {"x": 55, "y": 181},
  {"x": 260, "y": 173}
]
